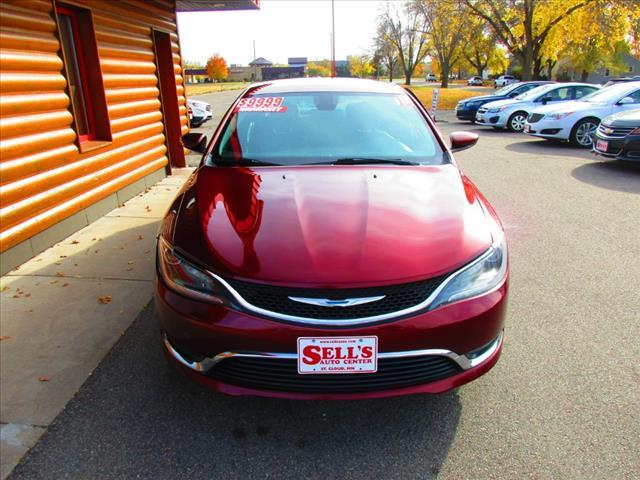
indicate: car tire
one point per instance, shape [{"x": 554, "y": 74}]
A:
[
  {"x": 516, "y": 121},
  {"x": 582, "y": 129}
]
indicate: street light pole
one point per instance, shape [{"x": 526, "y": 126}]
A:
[{"x": 333, "y": 40}]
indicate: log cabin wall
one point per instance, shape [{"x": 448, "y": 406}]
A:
[{"x": 50, "y": 174}]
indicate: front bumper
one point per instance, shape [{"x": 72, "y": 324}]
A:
[
  {"x": 200, "y": 337},
  {"x": 491, "y": 119},
  {"x": 551, "y": 129},
  {"x": 468, "y": 114},
  {"x": 620, "y": 148}
]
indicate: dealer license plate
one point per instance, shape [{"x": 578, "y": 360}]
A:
[
  {"x": 322, "y": 355},
  {"x": 602, "y": 145},
  {"x": 527, "y": 128}
]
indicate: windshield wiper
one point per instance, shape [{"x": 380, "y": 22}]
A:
[
  {"x": 243, "y": 162},
  {"x": 366, "y": 161}
]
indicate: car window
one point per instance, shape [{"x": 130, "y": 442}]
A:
[
  {"x": 310, "y": 127},
  {"x": 534, "y": 92},
  {"x": 581, "y": 90},
  {"x": 558, "y": 94}
]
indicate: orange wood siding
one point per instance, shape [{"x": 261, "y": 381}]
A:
[{"x": 44, "y": 178}]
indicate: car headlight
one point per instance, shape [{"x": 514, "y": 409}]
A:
[
  {"x": 497, "y": 109},
  {"x": 557, "y": 116},
  {"x": 187, "y": 279},
  {"x": 480, "y": 276}
]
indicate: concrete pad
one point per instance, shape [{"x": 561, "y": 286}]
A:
[
  {"x": 15, "y": 440},
  {"x": 55, "y": 332},
  {"x": 112, "y": 247}
]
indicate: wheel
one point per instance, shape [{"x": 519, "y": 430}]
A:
[
  {"x": 582, "y": 132},
  {"x": 516, "y": 121}
]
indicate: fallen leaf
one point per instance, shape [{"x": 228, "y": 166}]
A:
[
  {"x": 147, "y": 251},
  {"x": 63, "y": 256},
  {"x": 129, "y": 269},
  {"x": 27, "y": 295},
  {"x": 140, "y": 237},
  {"x": 16, "y": 296},
  {"x": 59, "y": 274},
  {"x": 104, "y": 299},
  {"x": 120, "y": 205},
  {"x": 4, "y": 337},
  {"x": 44, "y": 378},
  {"x": 74, "y": 242},
  {"x": 5, "y": 288},
  {"x": 65, "y": 284},
  {"x": 93, "y": 239},
  {"x": 130, "y": 262},
  {"x": 30, "y": 310},
  {"x": 58, "y": 263},
  {"x": 55, "y": 281}
]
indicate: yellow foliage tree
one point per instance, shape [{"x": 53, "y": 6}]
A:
[{"x": 217, "y": 68}]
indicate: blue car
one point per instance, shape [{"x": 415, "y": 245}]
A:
[{"x": 466, "y": 109}]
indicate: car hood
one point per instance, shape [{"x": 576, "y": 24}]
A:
[
  {"x": 331, "y": 226},
  {"x": 197, "y": 103},
  {"x": 484, "y": 98},
  {"x": 508, "y": 102},
  {"x": 630, "y": 118}
]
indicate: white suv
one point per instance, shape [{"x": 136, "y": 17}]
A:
[
  {"x": 504, "y": 80},
  {"x": 577, "y": 121}
]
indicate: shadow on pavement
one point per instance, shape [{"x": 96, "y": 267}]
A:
[
  {"x": 611, "y": 175},
  {"x": 138, "y": 416}
]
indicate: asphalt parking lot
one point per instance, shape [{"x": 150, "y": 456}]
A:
[{"x": 563, "y": 401}]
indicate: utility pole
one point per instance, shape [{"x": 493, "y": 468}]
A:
[{"x": 333, "y": 40}]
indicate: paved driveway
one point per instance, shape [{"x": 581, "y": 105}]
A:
[{"x": 563, "y": 402}]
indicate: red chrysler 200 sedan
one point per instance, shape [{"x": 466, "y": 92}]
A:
[{"x": 329, "y": 247}]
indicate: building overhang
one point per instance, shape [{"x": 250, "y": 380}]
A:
[{"x": 216, "y": 5}]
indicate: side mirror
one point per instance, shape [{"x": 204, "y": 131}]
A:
[
  {"x": 546, "y": 100},
  {"x": 626, "y": 101},
  {"x": 462, "y": 140},
  {"x": 195, "y": 141}
]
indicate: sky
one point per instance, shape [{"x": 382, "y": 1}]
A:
[{"x": 281, "y": 29}]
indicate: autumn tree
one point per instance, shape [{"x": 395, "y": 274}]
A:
[
  {"x": 360, "y": 66},
  {"x": 319, "y": 68},
  {"x": 403, "y": 28},
  {"x": 523, "y": 26},
  {"x": 217, "y": 68},
  {"x": 481, "y": 51},
  {"x": 385, "y": 52}
]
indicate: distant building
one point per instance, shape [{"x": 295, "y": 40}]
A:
[
  {"x": 563, "y": 71},
  {"x": 275, "y": 73},
  {"x": 297, "y": 62},
  {"x": 195, "y": 75}
]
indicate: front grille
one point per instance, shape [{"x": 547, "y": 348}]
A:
[
  {"x": 610, "y": 131},
  {"x": 276, "y": 298},
  {"x": 281, "y": 374},
  {"x": 535, "y": 117}
]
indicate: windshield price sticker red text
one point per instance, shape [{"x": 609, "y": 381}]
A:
[
  {"x": 322, "y": 355},
  {"x": 261, "y": 104}
]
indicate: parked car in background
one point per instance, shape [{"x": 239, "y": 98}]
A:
[
  {"x": 475, "y": 80},
  {"x": 512, "y": 113},
  {"x": 329, "y": 247},
  {"x": 431, "y": 77},
  {"x": 577, "y": 121},
  {"x": 613, "y": 81},
  {"x": 200, "y": 112},
  {"x": 504, "y": 80},
  {"x": 466, "y": 109},
  {"x": 618, "y": 136}
]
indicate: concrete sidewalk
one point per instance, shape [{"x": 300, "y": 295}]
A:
[{"x": 62, "y": 311}]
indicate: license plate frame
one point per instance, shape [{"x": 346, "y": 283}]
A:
[
  {"x": 337, "y": 355},
  {"x": 602, "y": 145}
]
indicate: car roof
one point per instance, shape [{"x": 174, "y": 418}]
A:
[{"x": 324, "y": 84}]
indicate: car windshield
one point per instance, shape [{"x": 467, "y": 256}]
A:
[
  {"x": 303, "y": 128},
  {"x": 608, "y": 94},
  {"x": 534, "y": 92}
]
